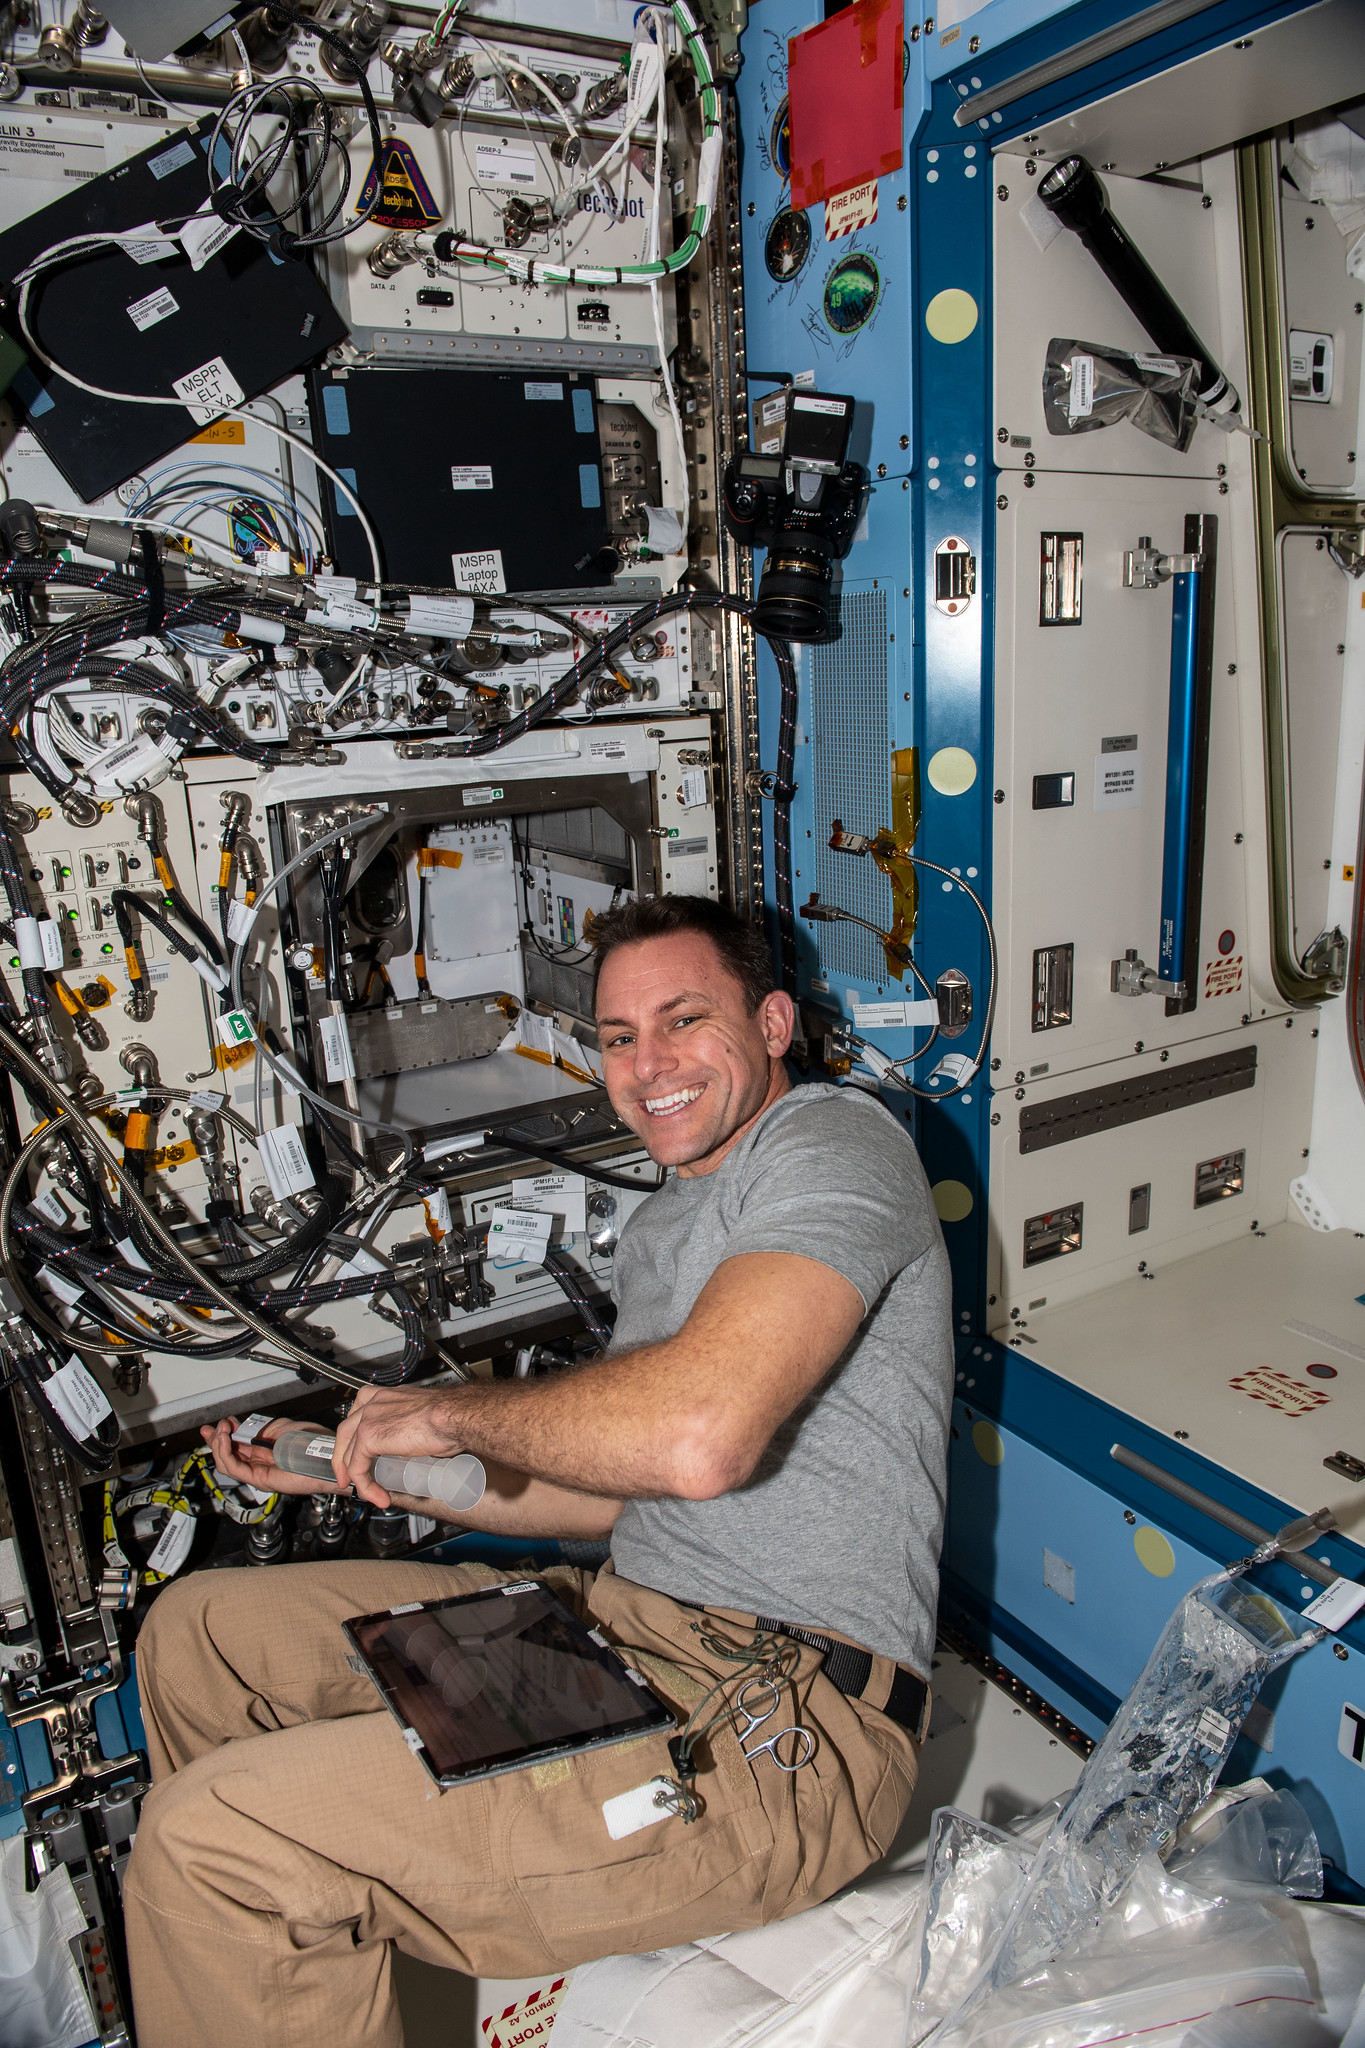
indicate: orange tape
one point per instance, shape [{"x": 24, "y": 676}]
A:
[
  {"x": 137, "y": 1131},
  {"x": 134, "y": 971},
  {"x": 437, "y": 857}
]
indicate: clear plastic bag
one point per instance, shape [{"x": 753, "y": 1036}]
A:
[
  {"x": 1155, "y": 1765},
  {"x": 1087, "y": 384}
]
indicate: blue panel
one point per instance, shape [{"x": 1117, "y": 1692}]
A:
[
  {"x": 584, "y": 422},
  {"x": 31, "y": 394},
  {"x": 345, "y": 509},
  {"x": 335, "y": 410},
  {"x": 12, "y": 1785},
  {"x": 846, "y": 313},
  {"x": 589, "y": 485},
  {"x": 1030, "y": 1469}
]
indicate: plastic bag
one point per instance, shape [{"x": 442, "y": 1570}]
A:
[
  {"x": 42, "y": 1999},
  {"x": 1164, "y": 1960},
  {"x": 1155, "y": 1765},
  {"x": 1087, "y": 384}
]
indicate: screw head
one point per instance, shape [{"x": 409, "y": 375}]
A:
[
  {"x": 1182, "y": 1434},
  {"x": 751, "y": 209},
  {"x": 1018, "y": 1094},
  {"x": 905, "y": 441},
  {"x": 1002, "y": 433},
  {"x": 1129, "y": 1517},
  {"x": 1002, "y": 503},
  {"x": 995, "y": 1066},
  {"x": 1340, "y": 1651},
  {"x": 1237, "y": 838},
  {"x": 1020, "y": 1075},
  {"x": 1000, "y": 796},
  {"x": 973, "y": 46},
  {"x": 1139, "y": 1045},
  {"x": 1029, "y": 480},
  {"x": 996, "y": 1117},
  {"x": 1002, "y": 192},
  {"x": 901, "y": 204},
  {"x": 1164, "y": 1055}
]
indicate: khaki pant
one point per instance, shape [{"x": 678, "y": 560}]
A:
[{"x": 289, "y": 1837}]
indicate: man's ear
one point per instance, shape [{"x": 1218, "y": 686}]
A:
[{"x": 777, "y": 1017}]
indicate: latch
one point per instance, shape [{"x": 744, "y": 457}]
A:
[{"x": 1146, "y": 568}]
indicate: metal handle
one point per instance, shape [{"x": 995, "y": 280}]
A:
[
  {"x": 1187, "y": 760},
  {"x": 1205, "y": 1504}
]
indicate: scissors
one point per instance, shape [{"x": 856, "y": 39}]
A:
[{"x": 758, "y": 1699}]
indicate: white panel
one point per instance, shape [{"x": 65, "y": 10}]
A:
[
  {"x": 1269, "y": 1122},
  {"x": 1093, "y": 877},
  {"x": 1167, "y": 1350},
  {"x": 1062, "y": 291}
]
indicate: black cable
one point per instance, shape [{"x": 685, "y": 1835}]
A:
[
  {"x": 566, "y": 1280},
  {"x": 556, "y": 1154},
  {"x": 784, "y": 789}
]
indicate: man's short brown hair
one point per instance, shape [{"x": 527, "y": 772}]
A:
[{"x": 742, "y": 947}]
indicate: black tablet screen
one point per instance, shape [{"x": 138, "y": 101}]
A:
[{"x": 494, "y": 1679}]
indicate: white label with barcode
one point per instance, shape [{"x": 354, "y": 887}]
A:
[
  {"x": 158, "y": 305},
  {"x": 240, "y": 919},
  {"x": 77, "y": 1398},
  {"x": 173, "y": 1544},
  {"x": 1213, "y": 1729},
  {"x": 1080, "y": 398},
  {"x": 336, "y": 1049},
  {"x": 285, "y": 1161},
  {"x": 447, "y": 618}
]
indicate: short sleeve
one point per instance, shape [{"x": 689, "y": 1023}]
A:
[{"x": 835, "y": 1179}]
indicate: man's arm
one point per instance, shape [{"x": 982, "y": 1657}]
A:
[
  {"x": 688, "y": 1418},
  {"x": 513, "y": 1503}
]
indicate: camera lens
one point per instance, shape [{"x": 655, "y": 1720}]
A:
[{"x": 795, "y": 594}]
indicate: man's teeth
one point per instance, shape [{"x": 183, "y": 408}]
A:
[{"x": 666, "y": 1105}]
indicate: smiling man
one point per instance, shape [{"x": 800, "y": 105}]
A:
[{"x": 765, "y": 1441}]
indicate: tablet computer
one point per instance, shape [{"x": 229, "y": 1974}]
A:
[{"x": 490, "y": 1682}]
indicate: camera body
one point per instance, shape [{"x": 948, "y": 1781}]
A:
[{"x": 800, "y": 498}]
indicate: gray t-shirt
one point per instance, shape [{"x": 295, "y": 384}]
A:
[{"x": 840, "y": 1524}]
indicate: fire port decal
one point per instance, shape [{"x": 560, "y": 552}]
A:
[{"x": 1277, "y": 1390}]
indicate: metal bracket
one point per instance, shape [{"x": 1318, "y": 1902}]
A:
[
  {"x": 1146, "y": 568},
  {"x": 1132, "y": 977}
]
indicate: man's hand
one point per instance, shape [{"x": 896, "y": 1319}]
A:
[
  {"x": 252, "y": 1465},
  {"x": 399, "y": 1422}
]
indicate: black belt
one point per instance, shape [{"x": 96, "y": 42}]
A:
[{"x": 850, "y": 1668}]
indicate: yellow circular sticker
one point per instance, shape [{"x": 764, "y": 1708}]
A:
[
  {"x": 1154, "y": 1553},
  {"x": 952, "y": 315},
  {"x": 988, "y": 1443},
  {"x": 952, "y": 771},
  {"x": 953, "y": 1200}
]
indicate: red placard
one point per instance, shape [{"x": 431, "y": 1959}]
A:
[{"x": 845, "y": 78}]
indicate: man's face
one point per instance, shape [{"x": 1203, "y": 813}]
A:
[{"x": 685, "y": 1064}]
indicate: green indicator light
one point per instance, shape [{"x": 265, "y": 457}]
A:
[
  {"x": 14, "y": 960},
  {"x": 106, "y": 949},
  {"x": 66, "y": 871}
]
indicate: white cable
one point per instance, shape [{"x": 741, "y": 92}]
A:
[{"x": 655, "y": 288}]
